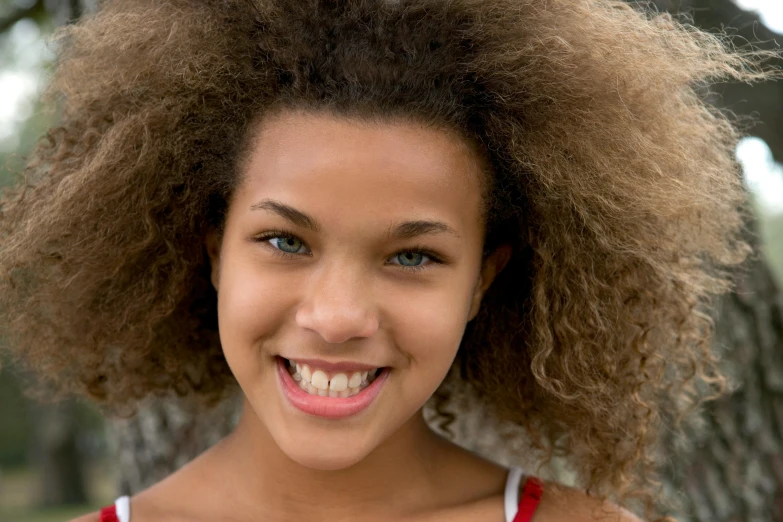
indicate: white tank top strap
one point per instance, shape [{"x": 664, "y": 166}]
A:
[
  {"x": 122, "y": 505},
  {"x": 511, "y": 497}
]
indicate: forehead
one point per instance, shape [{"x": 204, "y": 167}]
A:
[{"x": 362, "y": 168}]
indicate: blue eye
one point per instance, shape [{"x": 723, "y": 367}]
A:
[
  {"x": 411, "y": 256},
  {"x": 285, "y": 244}
]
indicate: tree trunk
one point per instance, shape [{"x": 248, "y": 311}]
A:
[
  {"x": 164, "y": 436},
  {"x": 732, "y": 468}
]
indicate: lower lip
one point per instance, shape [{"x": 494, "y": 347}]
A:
[{"x": 328, "y": 407}]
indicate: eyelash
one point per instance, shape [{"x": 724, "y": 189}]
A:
[{"x": 284, "y": 234}]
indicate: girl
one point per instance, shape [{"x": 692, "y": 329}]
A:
[{"x": 345, "y": 209}]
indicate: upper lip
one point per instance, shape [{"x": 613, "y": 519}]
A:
[{"x": 341, "y": 366}]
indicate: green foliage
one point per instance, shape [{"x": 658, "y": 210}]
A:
[{"x": 46, "y": 515}]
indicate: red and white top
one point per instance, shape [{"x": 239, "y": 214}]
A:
[
  {"x": 521, "y": 509},
  {"x": 516, "y": 509}
]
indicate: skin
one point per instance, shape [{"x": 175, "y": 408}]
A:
[{"x": 345, "y": 295}]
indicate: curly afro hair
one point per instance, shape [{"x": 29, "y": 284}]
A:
[{"x": 610, "y": 175}]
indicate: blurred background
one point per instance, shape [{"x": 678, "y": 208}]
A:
[{"x": 61, "y": 460}]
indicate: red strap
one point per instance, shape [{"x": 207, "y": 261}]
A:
[
  {"x": 531, "y": 496},
  {"x": 109, "y": 514}
]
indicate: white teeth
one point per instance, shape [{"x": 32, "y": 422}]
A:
[
  {"x": 320, "y": 380},
  {"x": 338, "y": 382},
  {"x": 355, "y": 380}
]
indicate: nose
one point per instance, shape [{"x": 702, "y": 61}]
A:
[{"x": 338, "y": 305}]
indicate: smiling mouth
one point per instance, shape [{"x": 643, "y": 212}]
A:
[
  {"x": 315, "y": 381},
  {"x": 320, "y": 394}
]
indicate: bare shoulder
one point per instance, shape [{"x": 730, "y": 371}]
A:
[
  {"x": 565, "y": 504},
  {"x": 91, "y": 517}
]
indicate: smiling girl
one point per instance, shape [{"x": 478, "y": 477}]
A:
[{"x": 345, "y": 209}]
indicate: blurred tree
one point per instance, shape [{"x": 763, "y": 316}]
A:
[
  {"x": 52, "y": 433},
  {"x": 56, "y": 454},
  {"x": 59, "y": 11},
  {"x": 164, "y": 436},
  {"x": 732, "y": 466},
  {"x": 14, "y": 434}
]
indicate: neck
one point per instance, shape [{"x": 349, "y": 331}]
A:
[{"x": 264, "y": 482}]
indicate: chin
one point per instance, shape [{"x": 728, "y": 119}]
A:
[{"x": 317, "y": 453}]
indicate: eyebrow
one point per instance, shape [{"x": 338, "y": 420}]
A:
[{"x": 405, "y": 230}]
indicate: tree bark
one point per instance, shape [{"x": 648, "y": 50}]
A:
[
  {"x": 732, "y": 467},
  {"x": 164, "y": 436}
]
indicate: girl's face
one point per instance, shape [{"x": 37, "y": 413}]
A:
[{"x": 348, "y": 247}]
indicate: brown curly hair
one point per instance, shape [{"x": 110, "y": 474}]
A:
[{"x": 611, "y": 177}]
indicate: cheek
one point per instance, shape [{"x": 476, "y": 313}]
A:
[
  {"x": 433, "y": 330},
  {"x": 428, "y": 331},
  {"x": 252, "y": 304}
]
